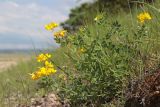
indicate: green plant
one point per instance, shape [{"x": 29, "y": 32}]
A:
[{"x": 104, "y": 56}]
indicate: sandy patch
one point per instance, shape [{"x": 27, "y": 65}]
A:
[
  {"x": 8, "y": 60},
  {"x": 6, "y": 64}
]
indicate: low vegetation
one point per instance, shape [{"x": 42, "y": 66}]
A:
[{"x": 94, "y": 65}]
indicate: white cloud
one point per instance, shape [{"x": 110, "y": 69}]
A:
[{"x": 27, "y": 19}]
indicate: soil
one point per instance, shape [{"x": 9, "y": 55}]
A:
[{"x": 146, "y": 92}]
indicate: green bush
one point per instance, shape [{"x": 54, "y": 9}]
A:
[
  {"x": 104, "y": 55},
  {"x": 96, "y": 63}
]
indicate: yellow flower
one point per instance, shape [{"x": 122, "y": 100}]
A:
[
  {"x": 44, "y": 71},
  {"x": 43, "y": 57},
  {"x": 142, "y": 17},
  {"x": 48, "y": 68},
  {"x": 60, "y": 33},
  {"x": 48, "y": 64},
  {"x": 39, "y": 74},
  {"x": 51, "y": 70},
  {"x": 34, "y": 76},
  {"x": 51, "y": 26}
]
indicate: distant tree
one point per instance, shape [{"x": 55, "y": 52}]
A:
[
  {"x": 75, "y": 17},
  {"x": 78, "y": 14}
]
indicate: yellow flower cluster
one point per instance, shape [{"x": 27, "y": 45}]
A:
[
  {"x": 60, "y": 33},
  {"x": 43, "y": 57},
  {"x": 142, "y": 17},
  {"x": 51, "y": 26},
  {"x": 48, "y": 68}
]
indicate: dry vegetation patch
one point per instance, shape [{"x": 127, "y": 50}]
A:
[
  {"x": 8, "y": 60},
  {"x": 145, "y": 93}
]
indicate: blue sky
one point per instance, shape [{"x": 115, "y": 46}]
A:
[{"x": 22, "y": 21}]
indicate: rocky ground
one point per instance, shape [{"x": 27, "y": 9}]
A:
[
  {"x": 145, "y": 92},
  {"x": 50, "y": 100}
]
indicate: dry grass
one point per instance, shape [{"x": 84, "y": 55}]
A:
[{"x": 16, "y": 86}]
